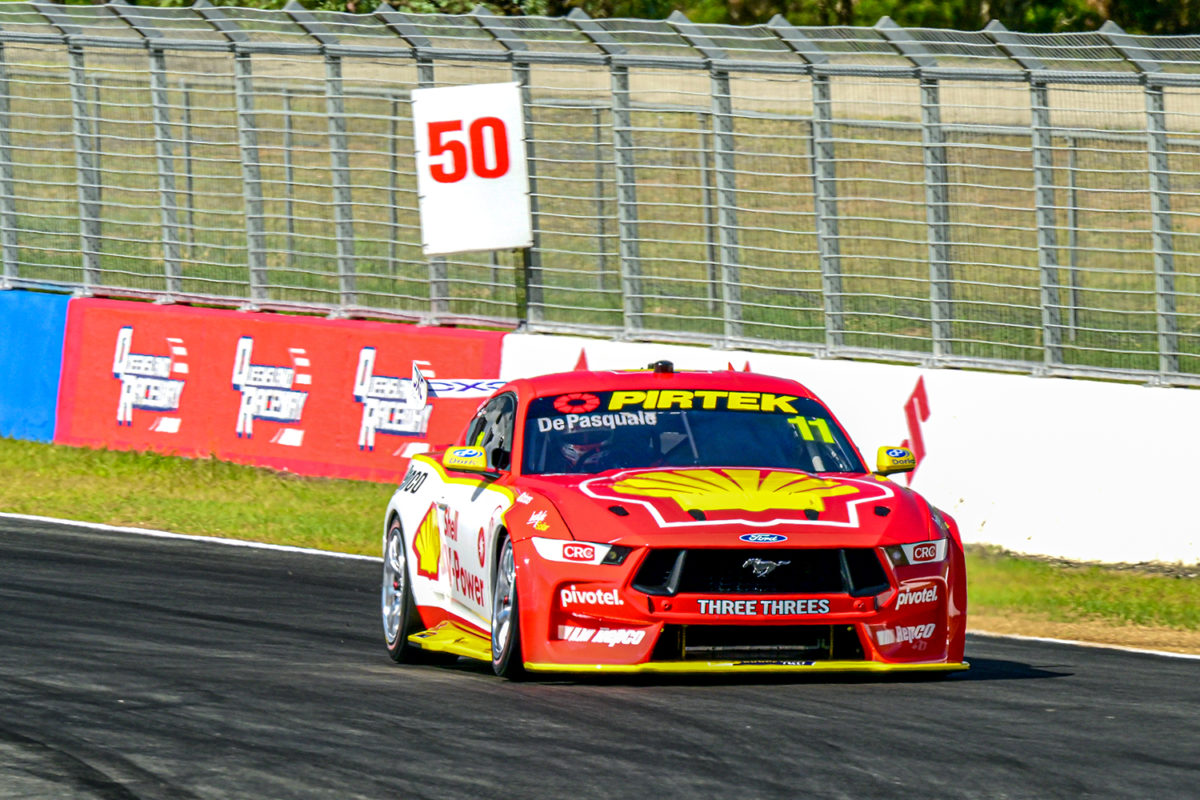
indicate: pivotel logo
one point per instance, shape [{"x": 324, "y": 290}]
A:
[
  {"x": 268, "y": 391},
  {"x": 150, "y": 382},
  {"x": 592, "y": 597},
  {"x": 916, "y": 597},
  {"x": 579, "y": 552},
  {"x": 763, "y": 538}
]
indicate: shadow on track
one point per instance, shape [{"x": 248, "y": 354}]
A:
[{"x": 982, "y": 669}]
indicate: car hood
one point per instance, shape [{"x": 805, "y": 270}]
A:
[{"x": 735, "y": 507}]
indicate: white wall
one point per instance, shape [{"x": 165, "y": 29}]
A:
[{"x": 1077, "y": 469}]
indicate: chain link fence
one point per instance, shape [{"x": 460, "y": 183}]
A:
[{"x": 990, "y": 199}]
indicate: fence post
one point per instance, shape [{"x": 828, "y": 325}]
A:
[
  {"x": 166, "y": 171},
  {"x": 534, "y": 310},
  {"x": 937, "y": 201},
  {"x": 87, "y": 174},
  {"x": 243, "y": 87},
  {"x": 724, "y": 149},
  {"x": 439, "y": 277},
  {"x": 824, "y": 181},
  {"x": 439, "y": 280},
  {"x": 9, "y": 252},
  {"x": 289, "y": 178},
  {"x": 439, "y": 274},
  {"x": 164, "y": 156},
  {"x": 189, "y": 172},
  {"x": 256, "y": 234},
  {"x": 1072, "y": 237},
  {"x": 626, "y": 173},
  {"x": 1162, "y": 235},
  {"x": 1043, "y": 190},
  {"x": 339, "y": 154}
]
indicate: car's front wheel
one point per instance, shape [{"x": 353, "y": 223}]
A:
[
  {"x": 506, "y": 633},
  {"x": 400, "y": 617}
]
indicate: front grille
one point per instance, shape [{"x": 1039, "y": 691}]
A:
[
  {"x": 770, "y": 643},
  {"x": 853, "y": 571}
]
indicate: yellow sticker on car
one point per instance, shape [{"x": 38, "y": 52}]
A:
[
  {"x": 666, "y": 399},
  {"x": 743, "y": 489}
]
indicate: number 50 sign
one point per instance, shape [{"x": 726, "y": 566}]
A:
[{"x": 471, "y": 173}]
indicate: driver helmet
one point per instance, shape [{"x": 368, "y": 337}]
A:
[{"x": 585, "y": 445}]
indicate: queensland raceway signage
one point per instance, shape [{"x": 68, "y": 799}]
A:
[{"x": 313, "y": 396}]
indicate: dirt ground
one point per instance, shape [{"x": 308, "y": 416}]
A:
[{"x": 1169, "y": 639}]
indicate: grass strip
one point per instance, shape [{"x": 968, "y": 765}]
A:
[
  {"x": 1000, "y": 582},
  {"x": 208, "y": 497},
  {"x": 198, "y": 496}
]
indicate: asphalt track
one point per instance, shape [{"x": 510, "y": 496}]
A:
[{"x": 135, "y": 667}]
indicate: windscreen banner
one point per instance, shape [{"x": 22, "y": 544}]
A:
[{"x": 338, "y": 398}]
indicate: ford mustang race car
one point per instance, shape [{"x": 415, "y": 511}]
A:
[{"x": 663, "y": 521}]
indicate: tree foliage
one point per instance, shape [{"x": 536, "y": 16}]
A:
[{"x": 1155, "y": 17}]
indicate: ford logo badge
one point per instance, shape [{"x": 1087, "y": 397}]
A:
[{"x": 763, "y": 538}]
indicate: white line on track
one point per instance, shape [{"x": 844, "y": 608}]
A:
[
  {"x": 334, "y": 554},
  {"x": 96, "y": 526},
  {"x": 1078, "y": 643}
]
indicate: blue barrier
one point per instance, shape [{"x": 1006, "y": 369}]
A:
[{"x": 32, "y": 326}]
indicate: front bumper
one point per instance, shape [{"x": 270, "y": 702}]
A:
[
  {"x": 669, "y": 667},
  {"x": 597, "y": 619}
]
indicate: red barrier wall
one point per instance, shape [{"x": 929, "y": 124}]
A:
[{"x": 337, "y": 398}]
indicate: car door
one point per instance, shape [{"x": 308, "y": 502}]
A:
[{"x": 473, "y": 510}]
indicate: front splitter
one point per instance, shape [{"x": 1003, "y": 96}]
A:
[{"x": 748, "y": 666}]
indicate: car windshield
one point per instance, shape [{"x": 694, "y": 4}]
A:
[{"x": 590, "y": 432}]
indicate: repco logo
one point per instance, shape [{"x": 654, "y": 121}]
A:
[
  {"x": 924, "y": 552},
  {"x": 579, "y": 552}
]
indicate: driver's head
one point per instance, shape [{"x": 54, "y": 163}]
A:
[{"x": 585, "y": 445}]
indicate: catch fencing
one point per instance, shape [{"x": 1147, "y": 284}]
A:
[{"x": 989, "y": 199}]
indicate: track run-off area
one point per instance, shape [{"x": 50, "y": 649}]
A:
[{"x": 151, "y": 667}]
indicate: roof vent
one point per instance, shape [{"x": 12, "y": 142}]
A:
[{"x": 662, "y": 367}]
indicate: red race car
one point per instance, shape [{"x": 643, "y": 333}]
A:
[{"x": 655, "y": 521}]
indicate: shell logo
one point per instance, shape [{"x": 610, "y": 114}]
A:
[
  {"x": 749, "y": 490},
  {"x": 427, "y": 545}
]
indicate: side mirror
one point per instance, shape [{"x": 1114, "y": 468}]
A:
[
  {"x": 465, "y": 459},
  {"x": 891, "y": 460}
]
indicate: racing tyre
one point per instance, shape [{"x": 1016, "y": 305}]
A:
[
  {"x": 506, "y": 633},
  {"x": 400, "y": 616}
]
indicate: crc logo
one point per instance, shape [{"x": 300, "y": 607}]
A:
[
  {"x": 763, "y": 538},
  {"x": 579, "y": 552},
  {"x": 150, "y": 382},
  {"x": 268, "y": 391},
  {"x": 924, "y": 552}
]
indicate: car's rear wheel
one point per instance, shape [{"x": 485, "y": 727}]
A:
[
  {"x": 506, "y": 617},
  {"x": 400, "y": 617}
]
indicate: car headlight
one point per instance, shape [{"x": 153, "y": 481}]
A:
[
  {"x": 907, "y": 555},
  {"x": 572, "y": 552},
  {"x": 927, "y": 552}
]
